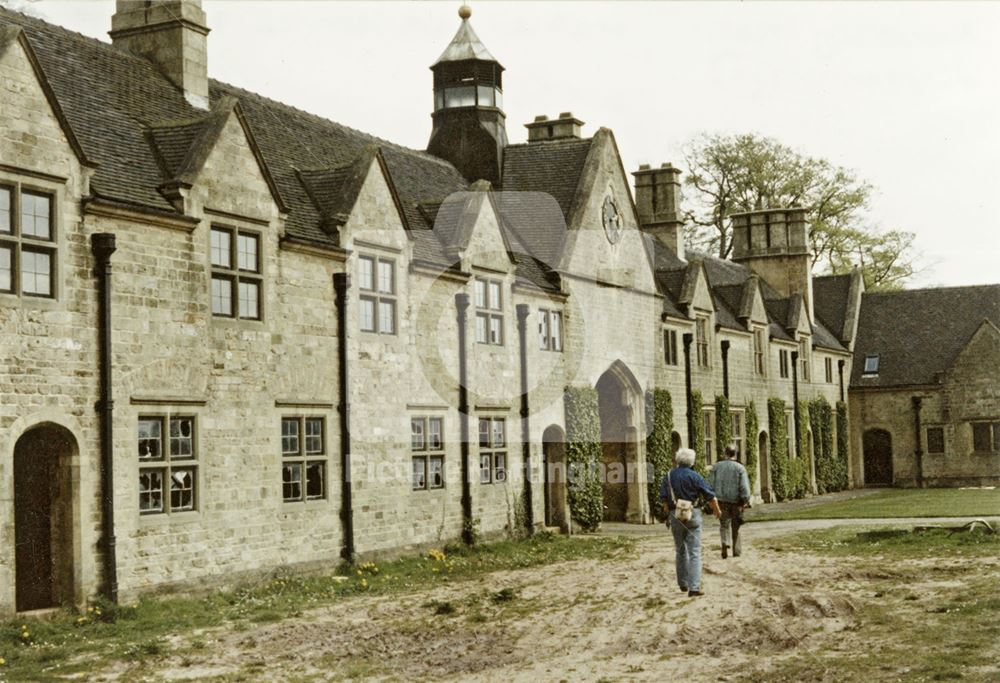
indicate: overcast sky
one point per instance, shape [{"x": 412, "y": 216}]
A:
[{"x": 904, "y": 93}]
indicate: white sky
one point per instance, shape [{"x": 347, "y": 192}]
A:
[{"x": 902, "y": 92}]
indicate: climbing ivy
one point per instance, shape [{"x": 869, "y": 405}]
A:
[
  {"x": 843, "y": 448},
  {"x": 723, "y": 425},
  {"x": 778, "y": 456},
  {"x": 698, "y": 419},
  {"x": 583, "y": 456},
  {"x": 821, "y": 420},
  {"x": 750, "y": 442},
  {"x": 659, "y": 449},
  {"x": 798, "y": 473}
]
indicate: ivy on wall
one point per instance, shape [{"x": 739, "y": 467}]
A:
[
  {"x": 778, "y": 455},
  {"x": 583, "y": 456},
  {"x": 750, "y": 442},
  {"x": 821, "y": 420},
  {"x": 798, "y": 474},
  {"x": 723, "y": 425},
  {"x": 659, "y": 446},
  {"x": 843, "y": 448},
  {"x": 698, "y": 419}
]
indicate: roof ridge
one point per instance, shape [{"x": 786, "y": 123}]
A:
[
  {"x": 373, "y": 139},
  {"x": 930, "y": 289},
  {"x": 538, "y": 143}
]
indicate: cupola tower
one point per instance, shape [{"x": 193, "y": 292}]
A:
[{"x": 469, "y": 123}]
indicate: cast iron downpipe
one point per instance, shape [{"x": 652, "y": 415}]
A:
[
  {"x": 795, "y": 399},
  {"x": 725, "y": 367},
  {"x": 522, "y": 333},
  {"x": 840, "y": 371},
  {"x": 103, "y": 246},
  {"x": 462, "y": 305},
  {"x": 919, "y": 451},
  {"x": 688, "y": 338},
  {"x": 342, "y": 285}
]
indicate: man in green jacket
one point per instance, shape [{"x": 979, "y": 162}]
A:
[{"x": 731, "y": 484}]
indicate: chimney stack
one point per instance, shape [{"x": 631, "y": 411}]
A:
[
  {"x": 566, "y": 127},
  {"x": 170, "y": 33},
  {"x": 774, "y": 243},
  {"x": 658, "y": 201}
]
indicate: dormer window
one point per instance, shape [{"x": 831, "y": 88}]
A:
[
  {"x": 27, "y": 242},
  {"x": 871, "y": 364}
]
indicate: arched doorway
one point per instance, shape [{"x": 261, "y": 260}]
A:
[
  {"x": 675, "y": 443},
  {"x": 620, "y": 404},
  {"x": 554, "y": 456},
  {"x": 763, "y": 450},
  {"x": 43, "y": 517},
  {"x": 877, "y": 447}
]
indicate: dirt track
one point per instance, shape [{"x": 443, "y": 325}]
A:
[{"x": 577, "y": 621}]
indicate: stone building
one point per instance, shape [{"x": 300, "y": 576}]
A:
[
  {"x": 925, "y": 390},
  {"x": 239, "y": 336}
]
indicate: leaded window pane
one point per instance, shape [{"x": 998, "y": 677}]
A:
[
  {"x": 386, "y": 277},
  {"x": 290, "y": 436},
  {"x": 935, "y": 440},
  {"x": 247, "y": 253},
  {"x": 314, "y": 435},
  {"x": 150, "y": 439},
  {"x": 482, "y": 324},
  {"x": 495, "y": 302},
  {"x": 435, "y": 467},
  {"x": 484, "y": 433},
  {"x": 36, "y": 272},
  {"x": 150, "y": 491},
  {"x": 499, "y": 467},
  {"x": 387, "y": 317},
  {"x": 417, "y": 441},
  {"x": 496, "y": 330},
  {"x": 5, "y": 202},
  {"x": 480, "y": 294},
  {"x": 182, "y": 489},
  {"x": 419, "y": 474},
  {"x": 315, "y": 480},
  {"x": 499, "y": 433},
  {"x": 249, "y": 298},
  {"x": 181, "y": 437},
  {"x": 36, "y": 215},
  {"x": 221, "y": 247},
  {"x": 543, "y": 329},
  {"x": 367, "y": 315},
  {"x": 366, "y": 273},
  {"x": 222, "y": 296},
  {"x": 435, "y": 440},
  {"x": 485, "y": 468},
  {"x": 6, "y": 269},
  {"x": 556, "y": 331},
  {"x": 291, "y": 481}
]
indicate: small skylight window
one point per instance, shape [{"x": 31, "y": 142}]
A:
[{"x": 871, "y": 364}]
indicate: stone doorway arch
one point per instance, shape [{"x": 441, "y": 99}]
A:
[
  {"x": 764, "y": 457},
  {"x": 44, "y": 523},
  {"x": 623, "y": 473},
  {"x": 556, "y": 477},
  {"x": 877, "y": 449}
]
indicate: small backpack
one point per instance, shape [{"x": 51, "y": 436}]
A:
[{"x": 683, "y": 509}]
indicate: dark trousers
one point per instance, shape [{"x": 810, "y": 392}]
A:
[{"x": 729, "y": 525}]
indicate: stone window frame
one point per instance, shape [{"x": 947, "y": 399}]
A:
[
  {"x": 670, "y": 355},
  {"x": 488, "y": 311},
  {"x": 828, "y": 369},
  {"x": 711, "y": 447},
  {"x": 425, "y": 453},
  {"x": 304, "y": 458},
  {"x": 234, "y": 273},
  {"x": 805, "y": 359},
  {"x": 371, "y": 292},
  {"x": 790, "y": 434},
  {"x": 548, "y": 320},
  {"x": 784, "y": 363},
  {"x": 993, "y": 428},
  {"x": 758, "y": 350},
  {"x": 940, "y": 429},
  {"x": 168, "y": 463},
  {"x": 496, "y": 451},
  {"x": 702, "y": 340},
  {"x": 17, "y": 243}
]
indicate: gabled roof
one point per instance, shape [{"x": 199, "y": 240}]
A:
[
  {"x": 554, "y": 167},
  {"x": 832, "y": 301},
  {"x": 918, "y": 333}
]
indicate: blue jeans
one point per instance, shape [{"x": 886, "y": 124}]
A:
[{"x": 687, "y": 547}]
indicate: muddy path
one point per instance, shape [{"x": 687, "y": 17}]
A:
[{"x": 587, "y": 620}]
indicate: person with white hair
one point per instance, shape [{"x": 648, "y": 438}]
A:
[{"x": 679, "y": 492}]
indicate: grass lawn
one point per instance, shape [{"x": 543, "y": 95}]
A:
[
  {"x": 891, "y": 503},
  {"x": 929, "y": 613},
  {"x": 71, "y": 643}
]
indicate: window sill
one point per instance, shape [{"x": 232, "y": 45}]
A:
[
  {"x": 29, "y": 303},
  {"x": 291, "y": 508},
  {"x": 238, "y": 323},
  {"x": 169, "y": 519}
]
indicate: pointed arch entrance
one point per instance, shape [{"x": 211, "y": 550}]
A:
[
  {"x": 623, "y": 448},
  {"x": 43, "y": 517}
]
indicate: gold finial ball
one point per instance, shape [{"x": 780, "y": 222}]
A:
[{"x": 465, "y": 12}]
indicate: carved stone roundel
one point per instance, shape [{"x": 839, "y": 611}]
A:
[{"x": 612, "y": 220}]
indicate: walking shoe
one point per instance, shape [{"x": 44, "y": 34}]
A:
[
  {"x": 725, "y": 554},
  {"x": 684, "y": 589},
  {"x": 695, "y": 594}
]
